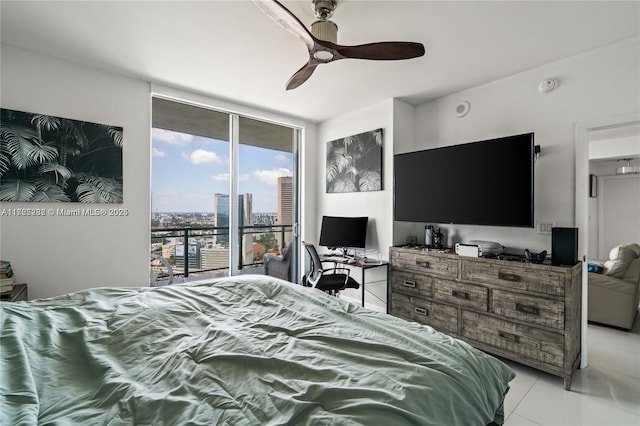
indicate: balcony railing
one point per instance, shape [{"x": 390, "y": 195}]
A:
[{"x": 203, "y": 248}]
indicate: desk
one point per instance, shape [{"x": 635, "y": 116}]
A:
[{"x": 357, "y": 264}]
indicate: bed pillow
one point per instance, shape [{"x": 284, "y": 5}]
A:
[{"x": 620, "y": 258}]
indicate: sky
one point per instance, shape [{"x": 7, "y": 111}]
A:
[{"x": 187, "y": 170}]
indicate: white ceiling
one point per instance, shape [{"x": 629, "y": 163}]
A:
[{"x": 231, "y": 50}]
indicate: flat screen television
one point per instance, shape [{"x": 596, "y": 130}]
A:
[
  {"x": 343, "y": 232},
  {"x": 488, "y": 182}
]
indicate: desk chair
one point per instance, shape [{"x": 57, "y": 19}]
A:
[{"x": 330, "y": 280}]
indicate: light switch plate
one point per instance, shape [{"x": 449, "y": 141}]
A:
[{"x": 544, "y": 227}]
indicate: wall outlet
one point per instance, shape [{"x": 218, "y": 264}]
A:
[{"x": 544, "y": 228}]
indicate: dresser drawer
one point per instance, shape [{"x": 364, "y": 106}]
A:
[
  {"x": 535, "y": 310},
  {"x": 514, "y": 275},
  {"x": 527, "y": 343},
  {"x": 441, "y": 317},
  {"x": 412, "y": 283},
  {"x": 425, "y": 262},
  {"x": 461, "y": 294}
]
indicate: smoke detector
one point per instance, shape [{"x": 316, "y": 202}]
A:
[{"x": 546, "y": 86}]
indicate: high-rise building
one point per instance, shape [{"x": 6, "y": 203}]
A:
[
  {"x": 285, "y": 205},
  {"x": 214, "y": 257},
  {"x": 245, "y": 219},
  {"x": 221, "y": 218}
]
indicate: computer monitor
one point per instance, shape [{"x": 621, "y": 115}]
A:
[{"x": 343, "y": 233}]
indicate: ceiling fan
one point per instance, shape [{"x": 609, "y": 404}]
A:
[{"x": 321, "y": 41}]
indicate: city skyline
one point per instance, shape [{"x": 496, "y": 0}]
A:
[{"x": 187, "y": 171}]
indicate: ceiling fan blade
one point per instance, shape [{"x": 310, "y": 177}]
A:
[
  {"x": 383, "y": 51},
  {"x": 302, "y": 74},
  {"x": 276, "y": 11}
]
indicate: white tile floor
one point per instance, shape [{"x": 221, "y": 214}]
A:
[{"x": 607, "y": 392}]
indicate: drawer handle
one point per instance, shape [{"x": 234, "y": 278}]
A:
[
  {"x": 460, "y": 294},
  {"x": 408, "y": 283},
  {"x": 508, "y": 277},
  {"x": 421, "y": 311},
  {"x": 422, "y": 263},
  {"x": 509, "y": 336},
  {"x": 528, "y": 309}
]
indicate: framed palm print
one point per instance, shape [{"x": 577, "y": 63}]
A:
[
  {"x": 354, "y": 163},
  {"x": 53, "y": 159}
]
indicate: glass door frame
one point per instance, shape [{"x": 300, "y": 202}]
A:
[
  {"x": 234, "y": 226},
  {"x": 235, "y": 112}
]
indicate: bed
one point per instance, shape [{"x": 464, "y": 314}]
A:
[{"x": 249, "y": 350}]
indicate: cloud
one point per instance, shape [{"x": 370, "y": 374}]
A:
[
  {"x": 155, "y": 152},
  {"x": 225, "y": 177},
  {"x": 171, "y": 137},
  {"x": 282, "y": 159},
  {"x": 221, "y": 177},
  {"x": 270, "y": 177},
  {"x": 201, "y": 156}
]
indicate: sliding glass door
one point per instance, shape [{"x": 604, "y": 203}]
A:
[{"x": 204, "y": 159}]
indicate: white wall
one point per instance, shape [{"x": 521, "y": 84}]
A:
[
  {"x": 624, "y": 223},
  {"x": 377, "y": 205},
  {"x": 396, "y": 118},
  {"x": 56, "y": 255},
  {"x": 595, "y": 85}
]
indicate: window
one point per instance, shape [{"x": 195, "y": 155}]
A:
[{"x": 202, "y": 159}]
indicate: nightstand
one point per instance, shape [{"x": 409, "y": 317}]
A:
[{"x": 19, "y": 293}]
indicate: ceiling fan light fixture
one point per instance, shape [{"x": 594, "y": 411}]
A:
[{"x": 323, "y": 55}]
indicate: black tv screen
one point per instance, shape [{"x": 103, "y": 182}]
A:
[
  {"x": 343, "y": 232},
  {"x": 479, "y": 183}
]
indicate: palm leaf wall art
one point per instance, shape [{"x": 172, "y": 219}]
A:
[
  {"x": 52, "y": 159},
  {"x": 354, "y": 163}
]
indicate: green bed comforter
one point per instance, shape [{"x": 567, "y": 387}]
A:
[{"x": 235, "y": 351}]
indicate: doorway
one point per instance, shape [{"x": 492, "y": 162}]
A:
[
  {"x": 224, "y": 191},
  {"x": 607, "y": 141}
]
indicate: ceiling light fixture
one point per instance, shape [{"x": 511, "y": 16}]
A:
[
  {"x": 462, "y": 108},
  {"x": 628, "y": 169}
]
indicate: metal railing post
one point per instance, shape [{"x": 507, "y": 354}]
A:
[
  {"x": 240, "y": 251},
  {"x": 186, "y": 252},
  {"x": 282, "y": 238}
]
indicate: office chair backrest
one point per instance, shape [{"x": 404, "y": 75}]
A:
[{"x": 316, "y": 265}]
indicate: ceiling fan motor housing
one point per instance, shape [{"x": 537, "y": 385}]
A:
[{"x": 325, "y": 30}]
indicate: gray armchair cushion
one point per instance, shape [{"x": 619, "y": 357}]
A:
[
  {"x": 633, "y": 271},
  {"x": 620, "y": 258},
  {"x": 278, "y": 266}
]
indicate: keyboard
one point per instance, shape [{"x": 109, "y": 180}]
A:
[{"x": 335, "y": 259}]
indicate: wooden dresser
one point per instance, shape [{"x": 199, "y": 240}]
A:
[{"x": 529, "y": 313}]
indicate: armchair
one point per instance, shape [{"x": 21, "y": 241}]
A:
[
  {"x": 614, "y": 294},
  {"x": 278, "y": 266}
]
